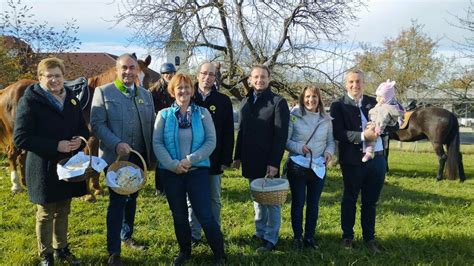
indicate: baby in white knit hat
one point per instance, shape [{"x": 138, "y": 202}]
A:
[{"x": 385, "y": 113}]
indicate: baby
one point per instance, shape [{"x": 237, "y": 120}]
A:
[{"x": 385, "y": 113}]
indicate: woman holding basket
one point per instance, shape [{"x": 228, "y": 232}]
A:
[
  {"x": 183, "y": 139},
  {"x": 311, "y": 146},
  {"x": 48, "y": 122}
]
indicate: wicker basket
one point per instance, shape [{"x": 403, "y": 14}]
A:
[
  {"x": 89, "y": 173},
  {"x": 269, "y": 191},
  {"x": 119, "y": 164}
]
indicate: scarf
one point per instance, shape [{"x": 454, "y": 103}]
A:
[{"x": 184, "y": 121}]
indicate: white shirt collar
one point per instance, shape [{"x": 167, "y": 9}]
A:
[{"x": 360, "y": 100}]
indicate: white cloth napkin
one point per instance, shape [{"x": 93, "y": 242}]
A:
[
  {"x": 78, "y": 164},
  {"x": 124, "y": 177}
]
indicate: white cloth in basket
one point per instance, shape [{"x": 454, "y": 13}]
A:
[
  {"x": 78, "y": 164},
  {"x": 268, "y": 185},
  {"x": 318, "y": 165},
  {"x": 125, "y": 177}
]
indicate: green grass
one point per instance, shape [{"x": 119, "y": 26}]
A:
[
  {"x": 419, "y": 221},
  {"x": 423, "y": 146}
]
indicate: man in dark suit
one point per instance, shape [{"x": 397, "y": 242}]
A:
[
  {"x": 351, "y": 129},
  {"x": 261, "y": 139}
]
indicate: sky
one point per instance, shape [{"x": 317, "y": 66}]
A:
[{"x": 381, "y": 19}]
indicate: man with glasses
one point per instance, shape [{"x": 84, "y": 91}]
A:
[
  {"x": 220, "y": 107},
  {"x": 162, "y": 99}
]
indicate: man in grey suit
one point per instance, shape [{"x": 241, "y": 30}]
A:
[{"x": 122, "y": 118}]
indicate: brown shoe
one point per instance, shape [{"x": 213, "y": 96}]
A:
[
  {"x": 114, "y": 260},
  {"x": 347, "y": 243},
  {"x": 373, "y": 246},
  {"x": 132, "y": 244}
]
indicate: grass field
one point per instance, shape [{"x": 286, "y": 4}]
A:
[{"x": 420, "y": 221}]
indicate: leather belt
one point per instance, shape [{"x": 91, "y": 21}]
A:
[{"x": 379, "y": 153}]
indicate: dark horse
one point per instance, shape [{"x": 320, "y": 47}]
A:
[
  {"x": 9, "y": 98},
  {"x": 441, "y": 128}
]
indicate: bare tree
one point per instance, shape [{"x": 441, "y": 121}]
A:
[
  {"x": 466, "y": 22},
  {"x": 291, "y": 37}
]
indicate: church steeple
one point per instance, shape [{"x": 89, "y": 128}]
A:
[{"x": 176, "y": 49}]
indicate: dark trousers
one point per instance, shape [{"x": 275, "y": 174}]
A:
[
  {"x": 367, "y": 179},
  {"x": 121, "y": 214},
  {"x": 305, "y": 189},
  {"x": 158, "y": 181},
  {"x": 195, "y": 184}
]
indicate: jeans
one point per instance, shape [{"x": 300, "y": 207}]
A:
[
  {"x": 267, "y": 220},
  {"x": 51, "y": 226},
  {"x": 195, "y": 184},
  {"x": 121, "y": 214},
  {"x": 120, "y": 219},
  {"x": 367, "y": 178},
  {"x": 303, "y": 189},
  {"x": 215, "y": 183}
]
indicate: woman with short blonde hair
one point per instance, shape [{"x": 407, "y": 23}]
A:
[{"x": 48, "y": 122}]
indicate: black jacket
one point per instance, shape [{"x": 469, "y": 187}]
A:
[
  {"x": 39, "y": 127},
  {"x": 263, "y": 131},
  {"x": 220, "y": 107},
  {"x": 347, "y": 127},
  {"x": 161, "y": 98}
]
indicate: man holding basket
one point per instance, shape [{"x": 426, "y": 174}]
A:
[
  {"x": 122, "y": 118},
  {"x": 261, "y": 139}
]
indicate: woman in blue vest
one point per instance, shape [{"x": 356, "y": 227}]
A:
[{"x": 183, "y": 139}]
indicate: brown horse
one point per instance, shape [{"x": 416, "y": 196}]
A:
[
  {"x": 441, "y": 128},
  {"x": 9, "y": 98}
]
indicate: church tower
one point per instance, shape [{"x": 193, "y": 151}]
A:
[{"x": 176, "y": 49}]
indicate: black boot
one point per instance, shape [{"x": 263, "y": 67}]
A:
[
  {"x": 47, "y": 260},
  {"x": 298, "y": 244},
  {"x": 65, "y": 255},
  {"x": 310, "y": 243},
  {"x": 181, "y": 258}
]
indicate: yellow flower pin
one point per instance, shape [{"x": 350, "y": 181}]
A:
[
  {"x": 141, "y": 101},
  {"x": 212, "y": 108},
  {"x": 73, "y": 102}
]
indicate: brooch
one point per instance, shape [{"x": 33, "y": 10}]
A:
[
  {"x": 73, "y": 102},
  {"x": 212, "y": 108},
  {"x": 293, "y": 119},
  {"x": 140, "y": 101}
]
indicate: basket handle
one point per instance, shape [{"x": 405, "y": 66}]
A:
[
  {"x": 139, "y": 156},
  {"x": 90, "y": 153},
  {"x": 265, "y": 178}
]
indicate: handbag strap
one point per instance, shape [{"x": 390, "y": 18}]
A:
[{"x": 314, "y": 131}]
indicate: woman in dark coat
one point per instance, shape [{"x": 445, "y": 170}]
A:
[{"x": 48, "y": 121}]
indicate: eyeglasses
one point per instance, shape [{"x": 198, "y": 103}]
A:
[
  {"x": 210, "y": 74},
  {"x": 50, "y": 77}
]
